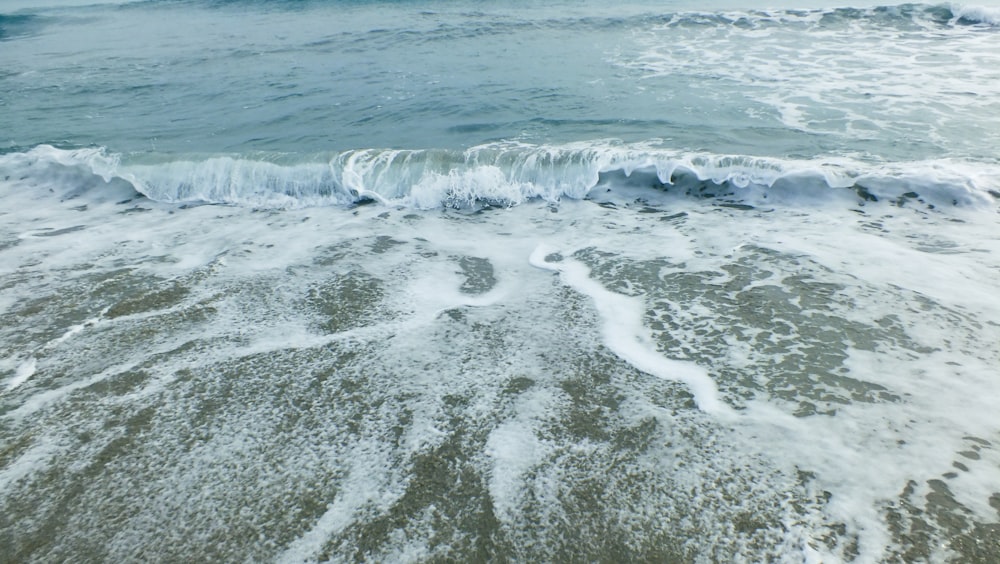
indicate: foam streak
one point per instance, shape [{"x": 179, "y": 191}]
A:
[{"x": 626, "y": 336}]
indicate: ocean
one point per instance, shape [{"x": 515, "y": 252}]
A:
[{"x": 523, "y": 281}]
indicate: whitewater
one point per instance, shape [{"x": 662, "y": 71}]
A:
[{"x": 330, "y": 281}]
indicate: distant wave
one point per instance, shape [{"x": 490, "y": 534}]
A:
[
  {"x": 946, "y": 13},
  {"x": 506, "y": 174},
  {"x": 942, "y": 13},
  {"x": 884, "y": 15},
  {"x": 19, "y": 25}
]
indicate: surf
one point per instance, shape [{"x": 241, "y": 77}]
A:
[{"x": 504, "y": 175}]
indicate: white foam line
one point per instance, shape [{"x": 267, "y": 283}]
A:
[
  {"x": 338, "y": 516},
  {"x": 360, "y": 488},
  {"x": 626, "y": 336},
  {"x": 514, "y": 449},
  {"x": 46, "y": 398},
  {"x": 24, "y": 371},
  {"x": 292, "y": 340},
  {"x": 296, "y": 337},
  {"x": 27, "y": 463},
  {"x": 73, "y": 331},
  {"x": 486, "y": 300},
  {"x": 27, "y": 368}
]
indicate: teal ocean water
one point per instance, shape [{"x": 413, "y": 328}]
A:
[{"x": 415, "y": 281}]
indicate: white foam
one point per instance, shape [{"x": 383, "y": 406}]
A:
[
  {"x": 625, "y": 335},
  {"x": 854, "y": 454},
  {"x": 514, "y": 449},
  {"x": 74, "y": 330},
  {"x": 40, "y": 453},
  {"x": 367, "y": 465},
  {"x": 44, "y": 399},
  {"x": 24, "y": 371},
  {"x": 831, "y": 79}
]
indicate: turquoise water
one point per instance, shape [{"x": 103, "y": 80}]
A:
[{"x": 412, "y": 281}]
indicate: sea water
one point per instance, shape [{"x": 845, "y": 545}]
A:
[{"x": 518, "y": 281}]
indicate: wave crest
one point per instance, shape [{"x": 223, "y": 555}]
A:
[
  {"x": 976, "y": 14},
  {"x": 506, "y": 174}
]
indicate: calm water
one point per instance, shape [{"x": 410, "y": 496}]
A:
[{"x": 563, "y": 281}]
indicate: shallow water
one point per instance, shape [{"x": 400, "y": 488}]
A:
[{"x": 653, "y": 310}]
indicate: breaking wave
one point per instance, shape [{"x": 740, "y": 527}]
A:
[
  {"x": 503, "y": 175},
  {"x": 975, "y": 14}
]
